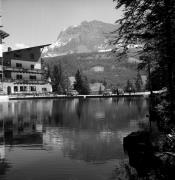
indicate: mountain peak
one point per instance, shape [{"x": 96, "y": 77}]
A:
[{"x": 89, "y": 36}]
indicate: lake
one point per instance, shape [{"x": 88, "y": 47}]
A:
[{"x": 66, "y": 139}]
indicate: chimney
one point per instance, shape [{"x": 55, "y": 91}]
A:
[{"x": 9, "y": 49}]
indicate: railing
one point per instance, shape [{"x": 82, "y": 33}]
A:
[
  {"x": 17, "y": 81},
  {"x": 21, "y": 81},
  {"x": 22, "y": 70}
]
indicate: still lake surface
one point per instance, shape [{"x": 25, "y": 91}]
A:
[{"x": 66, "y": 139}]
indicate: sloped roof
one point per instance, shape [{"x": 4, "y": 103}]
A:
[
  {"x": 3, "y": 34},
  {"x": 41, "y": 46}
]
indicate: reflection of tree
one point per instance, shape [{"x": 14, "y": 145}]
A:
[
  {"x": 58, "y": 112},
  {"x": 129, "y": 101},
  {"x": 116, "y": 100},
  {"x": 79, "y": 108},
  {"x": 139, "y": 104},
  {"x": 4, "y": 167},
  {"x": 116, "y": 114}
]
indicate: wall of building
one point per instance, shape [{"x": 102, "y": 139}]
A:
[
  {"x": 26, "y": 76},
  {"x": 25, "y": 64},
  {"x": 39, "y": 88}
]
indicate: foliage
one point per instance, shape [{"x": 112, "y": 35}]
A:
[
  {"x": 81, "y": 83},
  {"x": 152, "y": 24},
  {"x": 59, "y": 80},
  {"x": 100, "y": 90},
  {"x": 115, "y": 72},
  {"x": 129, "y": 86},
  {"x": 138, "y": 83}
]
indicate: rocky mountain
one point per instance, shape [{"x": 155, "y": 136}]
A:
[
  {"x": 93, "y": 36},
  {"x": 86, "y": 47}
]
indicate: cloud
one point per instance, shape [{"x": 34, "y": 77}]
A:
[{"x": 20, "y": 46}]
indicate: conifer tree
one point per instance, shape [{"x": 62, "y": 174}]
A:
[
  {"x": 138, "y": 83},
  {"x": 59, "y": 79},
  {"x": 100, "y": 90},
  {"x": 81, "y": 83}
]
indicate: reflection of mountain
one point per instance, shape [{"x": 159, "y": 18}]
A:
[
  {"x": 83, "y": 129},
  {"x": 84, "y": 145},
  {"x": 92, "y": 131}
]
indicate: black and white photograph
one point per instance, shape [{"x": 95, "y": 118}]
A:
[{"x": 87, "y": 89}]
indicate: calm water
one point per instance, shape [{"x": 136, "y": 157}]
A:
[{"x": 65, "y": 139}]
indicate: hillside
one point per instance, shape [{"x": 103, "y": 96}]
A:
[{"x": 98, "y": 66}]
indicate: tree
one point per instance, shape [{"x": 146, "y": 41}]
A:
[
  {"x": 152, "y": 23},
  {"x": 100, "y": 90},
  {"x": 59, "y": 79},
  {"x": 129, "y": 86},
  {"x": 81, "y": 83},
  {"x": 138, "y": 83},
  {"x": 104, "y": 83}
]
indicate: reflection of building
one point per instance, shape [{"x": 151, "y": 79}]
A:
[
  {"x": 20, "y": 133},
  {"x": 24, "y": 72},
  {"x": 20, "y": 130}
]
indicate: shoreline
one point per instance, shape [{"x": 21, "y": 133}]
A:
[
  {"x": 56, "y": 96},
  {"x": 19, "y": 97}
]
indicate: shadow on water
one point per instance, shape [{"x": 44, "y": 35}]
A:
[{"x": 85, "y": 130}]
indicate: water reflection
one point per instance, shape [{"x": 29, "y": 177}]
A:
[{"x": 87, "y": 130}]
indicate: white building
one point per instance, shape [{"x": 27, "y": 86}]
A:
[{"x": 23, "y": 72}]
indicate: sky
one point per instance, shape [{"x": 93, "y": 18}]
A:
[{"x": 37, "y": 22}]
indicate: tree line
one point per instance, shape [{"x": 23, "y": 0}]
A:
[{"x": 61, "y": 83}]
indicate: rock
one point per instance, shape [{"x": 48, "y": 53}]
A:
[{"x": 140, "y": 151}]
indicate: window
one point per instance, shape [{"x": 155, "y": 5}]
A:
[
  {"x": 15, "y": 88},
  {"x": 32, "y": 77},
  {"x": 32, "y": 66},
  {"x": 44, "y": 89},
  {"x": 18, "y": 65},
  {"x": 33, "y": 88},
  {"x": 21, "y": 88},
  {"x": 18, "y": 76},
  {"x": 25, "y": 88}
]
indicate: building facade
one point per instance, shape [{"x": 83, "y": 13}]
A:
[
  {"x": 3, "y": 35},
  {"x": 23, "y": 72}
]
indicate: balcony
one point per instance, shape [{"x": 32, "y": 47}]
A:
[
  {"x": 22, "y": 81},
  {"x": 22, "y": 70}
]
